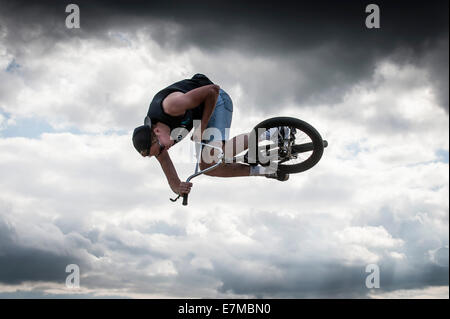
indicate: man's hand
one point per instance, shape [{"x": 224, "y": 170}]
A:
[{"x": 184, "y": 188}]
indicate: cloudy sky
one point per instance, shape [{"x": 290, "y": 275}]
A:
[{"x": 74, "y": 191}]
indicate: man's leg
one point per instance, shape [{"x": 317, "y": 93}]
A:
[
  {"x": 236, "y": 145},
  {"x": 230, "y": 148},
  {"x": 221, "y": 119},
  {"x": 224, "y": 170}
]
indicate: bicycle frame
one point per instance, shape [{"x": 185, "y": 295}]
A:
[
  {"x": 220, "y": 160},
  {"x": 260, "y": 155}
]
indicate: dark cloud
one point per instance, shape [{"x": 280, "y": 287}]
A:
[
  {"x": 328, "y": 280},
  {"x": 327, "y": 41},
  {"x": 37, "y": 294},
  {"x": 20, "y": 263},
  {"x": 308, "y": 280}
]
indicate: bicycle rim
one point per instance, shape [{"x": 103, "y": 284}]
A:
[{"x": 306, "y": 151}]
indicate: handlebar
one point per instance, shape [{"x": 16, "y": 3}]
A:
[
  {"x": 197, "y": 173},
  {"x": 185, "y": 197}
]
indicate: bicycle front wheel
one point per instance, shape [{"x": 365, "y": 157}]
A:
[{"x": 303, "y": 150}]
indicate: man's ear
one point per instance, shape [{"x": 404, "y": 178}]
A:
[{"x": 156, "y": 131}]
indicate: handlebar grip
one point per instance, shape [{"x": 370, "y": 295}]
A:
[{"x": 185, "y": 198}]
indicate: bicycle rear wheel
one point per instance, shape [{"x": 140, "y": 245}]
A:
[{"x": 303, "y": 150}]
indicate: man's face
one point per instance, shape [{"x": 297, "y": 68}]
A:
[{"x": 157, "y": 148}]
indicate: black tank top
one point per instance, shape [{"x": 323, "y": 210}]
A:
[{"x": 179, "y": 125}]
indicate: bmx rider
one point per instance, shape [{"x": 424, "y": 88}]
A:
[{"x": 176, "y": 107}]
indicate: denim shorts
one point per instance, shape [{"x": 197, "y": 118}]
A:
[{"x": 220, "y": 121}]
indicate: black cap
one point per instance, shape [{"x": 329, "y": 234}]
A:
[{"x": 142, "y": 138}]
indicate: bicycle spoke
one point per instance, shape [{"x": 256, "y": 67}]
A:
[{"x": 290, "y": 146}]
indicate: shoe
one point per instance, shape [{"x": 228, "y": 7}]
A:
[{"x": 282, "y": 177}]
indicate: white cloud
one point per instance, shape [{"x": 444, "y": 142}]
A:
[
  {"x": 380, "y": 193},
  {"x": 2, "y": 122},
  {"x": 91, "y": 85}
]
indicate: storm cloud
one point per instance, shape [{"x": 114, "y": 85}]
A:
[
  {"x": 319, "y": 50},
  {"x": 74, "y": 191}
]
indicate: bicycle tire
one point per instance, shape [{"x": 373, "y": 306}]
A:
[{"x": 308, "y": 129}]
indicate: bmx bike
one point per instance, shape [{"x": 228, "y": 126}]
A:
[{"x": 286, "y": 144}]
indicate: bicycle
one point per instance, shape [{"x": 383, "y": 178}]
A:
[{"x": 287, "y": 144}]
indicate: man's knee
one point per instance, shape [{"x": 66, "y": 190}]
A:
[{"x": 204, "y": 165}]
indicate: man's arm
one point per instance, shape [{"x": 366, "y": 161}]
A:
[
  {"x": 175, "y": 184},
  {"x": 210, "y": 105},
  {"x": 177, "y": 105}
]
